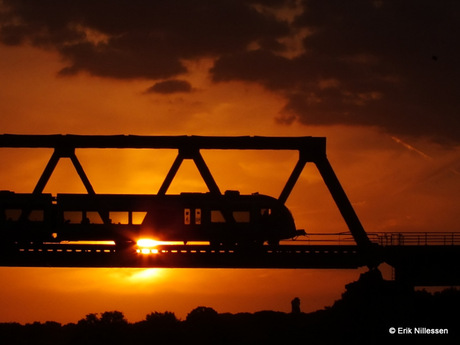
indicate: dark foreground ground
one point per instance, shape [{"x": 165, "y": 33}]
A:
[{"x": 369, "y": 312}]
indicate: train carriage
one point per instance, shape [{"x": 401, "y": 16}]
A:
[{"x": 226, "y": 219}]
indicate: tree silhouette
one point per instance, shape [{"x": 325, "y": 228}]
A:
[
  {"x": 363, "y": 315},
  {"x": 90, "y": 319},
  {"x": 115, "y": 318},
  {"x": 163, "y": 319},
  {"x": 201, "y": 314}
]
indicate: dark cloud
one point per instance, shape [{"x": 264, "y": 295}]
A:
[
  {"x": 136, "y": 38},
  {"x": 365, "y": 62},
  {"x": 170, "y": 86}
]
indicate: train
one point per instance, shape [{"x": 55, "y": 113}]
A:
[{"x": 225, "y": 220}]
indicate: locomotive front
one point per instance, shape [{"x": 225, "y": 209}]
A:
[{"x": 229, "y": 219}]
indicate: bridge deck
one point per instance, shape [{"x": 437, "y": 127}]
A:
[
  {"x": 416, "y": 265},
  {"x": 185, "y": 256}
]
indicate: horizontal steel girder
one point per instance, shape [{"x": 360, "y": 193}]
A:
[{"x": 316, "y": 145}]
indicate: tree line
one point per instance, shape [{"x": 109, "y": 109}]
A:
[{"x": 364, "y": 315}]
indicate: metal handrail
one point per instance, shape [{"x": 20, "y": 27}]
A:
[
  {"x": 385, "y": 238},
  {"x": 418, "y": 238}
]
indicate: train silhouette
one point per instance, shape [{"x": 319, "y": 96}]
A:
[{"x": 227, "y": 219}]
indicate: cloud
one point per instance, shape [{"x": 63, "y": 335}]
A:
[
  {"x": 136, "y": 38},
  {"x": 365, "y": 63},
  {"x": 170, "y": 86}
]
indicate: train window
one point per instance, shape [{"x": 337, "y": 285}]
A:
[
  {"x": 73, "y": 217},
  {"x": 241, "y": 216},
  {"x": 186, "y": 216},
  {"x": 36, "y": 216},
  {"x": 265, "y": 211},
  {"x": 198, "y": 216},
  {"x": 119, "y": 217},
  {"x": 12, "y": 214},
  {"x": 138, "y": 217},
  {"x": 94, "y": 217},
  {"x": 217, "y": 217}
]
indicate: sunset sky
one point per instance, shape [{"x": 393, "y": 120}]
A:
[{"x": 379, "y": 79}]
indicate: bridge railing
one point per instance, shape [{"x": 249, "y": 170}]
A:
[
  {"x": 338, "y": 238},
  {"x": 416, "y": 238},
  {"x": 382, "y": 238}
]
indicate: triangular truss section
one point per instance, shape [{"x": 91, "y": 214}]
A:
[
  {"x": 52, "y": 163},
  {"x": 203, "y": 169}
]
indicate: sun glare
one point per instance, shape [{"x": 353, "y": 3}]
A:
[
  {"x": 146, "y": 274},
  {"x": 147, "y": 243}
]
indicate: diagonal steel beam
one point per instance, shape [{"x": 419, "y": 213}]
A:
[
  {"x": 342, "y": 202},
  {"x": 45, "y": 176},
  {"x": 171, "y": 174},
  {"x": 52, "y": 163},
  {"x": 81, "y": 174},
  {"x": 292, "y": 180},
  {"x": 195, "y": 155},
  {"x": 206, "y": 173}
]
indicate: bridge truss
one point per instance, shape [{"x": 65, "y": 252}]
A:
[
  {"x": 426, "y": 264},
  {"x": 310, "y": 149}
]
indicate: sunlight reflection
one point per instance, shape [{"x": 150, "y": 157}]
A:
[
  {"x": 146, "y": 274},
  {"x": 147, "y": 245}
]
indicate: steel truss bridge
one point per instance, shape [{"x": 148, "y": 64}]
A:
[{"x": 418, "y": 258}]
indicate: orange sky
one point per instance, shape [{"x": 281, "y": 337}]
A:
[{"x": 400, "y": 174}]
